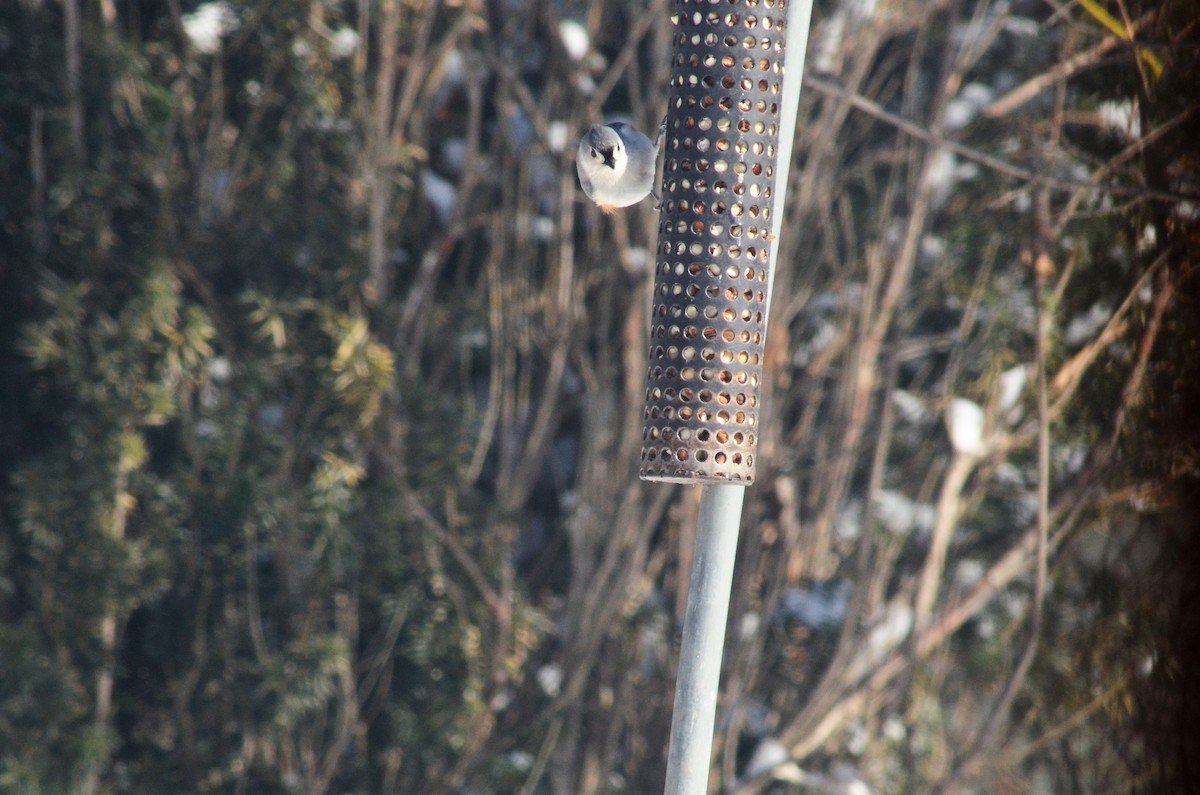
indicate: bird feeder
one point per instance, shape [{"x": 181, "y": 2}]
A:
[{"x": 715, "y": 235}]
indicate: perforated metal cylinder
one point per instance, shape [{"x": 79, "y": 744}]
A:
[{"x": 714, "y": 234}]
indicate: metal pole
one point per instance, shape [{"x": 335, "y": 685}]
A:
[
  {"x": 796, "y": 47},
  {"x": 703, "y": 640}
]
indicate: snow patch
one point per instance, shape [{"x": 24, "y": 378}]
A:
[
  {"x": 821, "y": 607},
  {"x": 899, "y": 515},
  {"x": 574, "y": 39},
  {"x": 205, "y": 26},
  {"x": 440, "y": 193},
  {"x": 1084, "y": 327},
  {"x": 964, "y": 422},
  {"x": 1012, "y": 384},
  {"x": 343, "y": 43},
  {"x": 1121, "y": 116}
]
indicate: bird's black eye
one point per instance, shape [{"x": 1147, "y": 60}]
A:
[{"x": 594, "y": 153}]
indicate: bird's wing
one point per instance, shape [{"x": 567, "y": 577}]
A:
[
  {"x": 583, "y": 179},
  {"x": 648, "y": 167}
]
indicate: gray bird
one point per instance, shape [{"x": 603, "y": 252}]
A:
[{"x": 616, "y": 165}]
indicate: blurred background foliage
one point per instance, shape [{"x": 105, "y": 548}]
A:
[{"x": 320, "y": 405}]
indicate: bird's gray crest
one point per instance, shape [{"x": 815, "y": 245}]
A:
[{"x": 604, "y": 136}]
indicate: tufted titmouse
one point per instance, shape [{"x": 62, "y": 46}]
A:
[{"x": 616, "y": 165}]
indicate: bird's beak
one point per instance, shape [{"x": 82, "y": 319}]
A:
[{"x": 608, "y": 158}]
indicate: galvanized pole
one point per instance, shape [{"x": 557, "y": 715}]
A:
[
  {"x": 731, "y": 118},
  {"x": 799, "y": 17},
  {"x": 703, "y": 640}
]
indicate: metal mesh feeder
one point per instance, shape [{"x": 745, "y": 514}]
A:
[{"x": 710, "y": 289}]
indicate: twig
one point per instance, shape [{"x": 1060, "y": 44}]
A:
[
  {"x": 73, "y": 46},
  {"x": 995, "y": 163},
  {"x": 1164, "y": 293},
  {"x": 948, "y": 507},
  {"x": 443, "y": 536},
  {"x": 1072, "y": 500},
  {"x": 1061, "y": 71},
  {"x": 538, "y": 768},
  {"x": 1000, "y": 713},
  {"x": 1067, "y": 379},
  {"x": 1058, "y": 731}
]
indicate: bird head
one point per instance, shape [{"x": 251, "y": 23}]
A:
[{"x": 601, "y": 147}]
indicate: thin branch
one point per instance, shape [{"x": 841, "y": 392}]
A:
[
  {"x": 1164, "y": 294},
  {"x": 73, "y": 46},
  {"x": 643, "y": 23},
  {"x": 1000, "y": 713},
  {"x": 948, "y": 509},
  {"x": 995, "y": 163},
  {"x": 1070, "y": 504},
  {"x": 451, "y": 543},
  {"x": 1059, "y": 72},
  {"x": 1062, "y": 729},
  {"x": 1068, "y": 377},
  {"x": 377, "y": 165}
]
